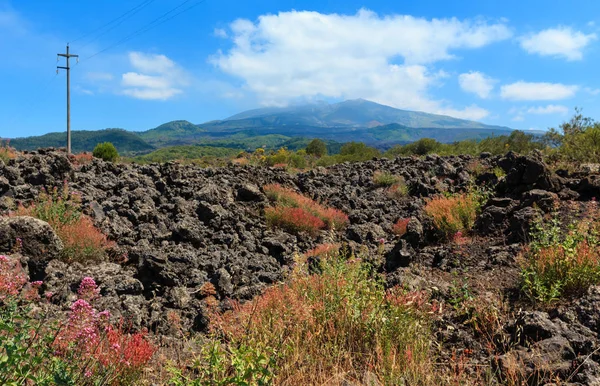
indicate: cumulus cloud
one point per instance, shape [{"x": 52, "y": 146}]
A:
[
  {"x": 157, "y": 77},
  {"x": 387, "y": 59},
  {"x": 550, "y": 109},
  {"x": 529, "y": 91},
  {"x": 477, "y": 83},
  {"x": 559, "y": 42}
]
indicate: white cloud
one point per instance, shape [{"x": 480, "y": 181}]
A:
[
  {"x": 559, "y": 42},
  {"x": 477, "y": 83},
  {"x": 159, "y": 78},
  {"x": 294, "y": 55},
  {"x": 592, "y": 91},
  {"x": 550, "y": 109},
  {"x": 528, "y": 91},
  {"x": 472, "y": 112},
  {"x": 220, "y": 33}
]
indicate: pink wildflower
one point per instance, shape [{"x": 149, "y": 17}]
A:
[{"x": 88, "y": 289}]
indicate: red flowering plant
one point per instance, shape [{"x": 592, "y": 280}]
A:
[
  {"x": 83, "y": 349},
  {"x": 297, "y": 213}
]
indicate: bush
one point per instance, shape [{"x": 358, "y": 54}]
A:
[
  {"x": 295, "y": 212},
  {"x": 340, "y": 323},
  {"x": 294, "y": 220},
  {"x": 317, "y": 148},
  {"x": 386, "y": 179},
  {"x": 561, "y": 262},
  {"x": 106, "y": 151},
  {"x": 82, "y": 241},
  {"x": 453, "y": 214}
]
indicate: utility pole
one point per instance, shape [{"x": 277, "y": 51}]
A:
[{"x": 68, "y": 69}]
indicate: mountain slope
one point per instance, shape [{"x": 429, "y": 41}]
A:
[{"x": 358, "y": 113}]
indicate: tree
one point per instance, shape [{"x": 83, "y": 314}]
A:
[
  {"x": 317, "y": 148},
  {"x": 106, "y": 151}
]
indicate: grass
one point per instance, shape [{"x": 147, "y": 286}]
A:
[
  {"x": 453, "y": 214},
  {"x": 562, "y": 261},
  {"x": 297, "y": 213},
  {"x": 386, "y": 178},
  {"x": 6, "y": 152},
  {"x": 319, "y": 329},
  {"x": 60, "y": 208}
]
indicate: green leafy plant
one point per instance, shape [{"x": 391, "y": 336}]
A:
[
  {"x": 316, "y": 147},
  {"x": 106, "y": 151},
  {"x": 561, "y": 261}
]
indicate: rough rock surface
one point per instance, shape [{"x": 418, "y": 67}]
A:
[{"x": 180, "y": 226}]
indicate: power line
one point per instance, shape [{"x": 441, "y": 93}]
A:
[
  {"x": 153, "y": 24},
  {"x": 123, "y": 16}
]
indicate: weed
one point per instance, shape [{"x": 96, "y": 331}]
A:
[
  {"x": 60, "y": 208},
  {"x": 453, "y": 214},
  {"x": 295, "y": 212},
  {"x": 386, "y": 179},
  {"x": 6, "y": 152},
  {"x": 561, "y": 261},
  {"x": 398, "y": 190},
  {"x": 316, "y": 328}
]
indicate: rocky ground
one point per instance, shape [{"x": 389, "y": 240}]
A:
[{"x": 180, "y": 226}]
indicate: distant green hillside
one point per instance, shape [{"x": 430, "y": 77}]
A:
[
  {"x": 186, "y": 152},
  {"x": 173, "y": 133},
  {"x": 125, "y": 141}
]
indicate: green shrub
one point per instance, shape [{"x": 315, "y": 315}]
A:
[
  {"x": 317, "y": 148},
  {"x": 106, "y": 151},
  {"x": 561, "y": 262}
]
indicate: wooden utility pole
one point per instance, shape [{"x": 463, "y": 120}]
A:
[{"x": 68, "y": 69}]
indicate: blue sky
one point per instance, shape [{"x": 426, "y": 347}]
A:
[{"x": 522, "y": 64}]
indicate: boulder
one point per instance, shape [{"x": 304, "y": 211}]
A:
[{"x": 33, "y": 238}]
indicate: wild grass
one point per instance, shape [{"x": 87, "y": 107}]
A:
[
  {"x": 453, "y": 214},
  {"x": 60, "y": 208},
  {"x": 386, "y": 178},
  {"x": 562, "y": 261},
  {"x": 320, "y": 329},
  {"x": 6, "y": 152},
  {"x": 296, "y": 213}
]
